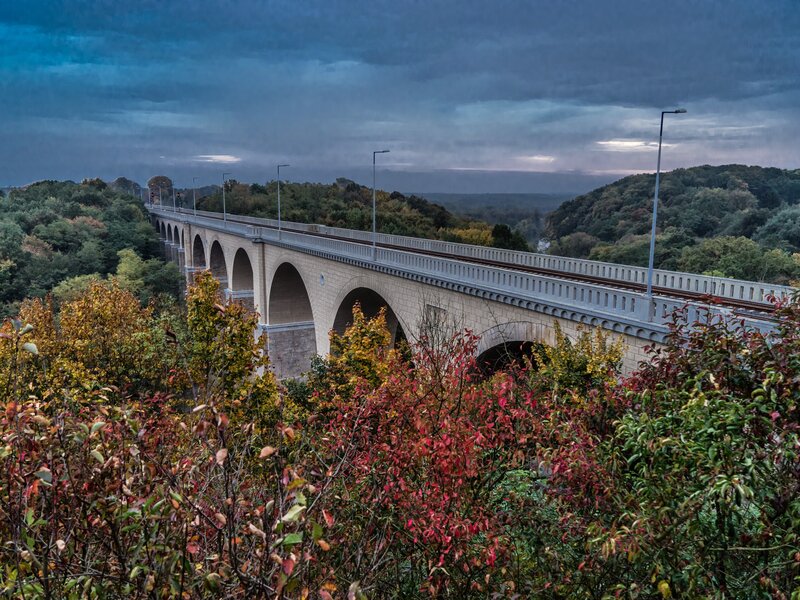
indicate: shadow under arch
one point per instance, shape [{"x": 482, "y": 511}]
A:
[
  {"x": 217, "y": 264},
  {"x": 505, "y": 355},
  {"x": 371, "y": 303},
  {"x": 507, "y": 344},
  {"x": 289, "y": 301},
  {"x": 198, "y": 253},
  {"x": 242, "y": 279}
]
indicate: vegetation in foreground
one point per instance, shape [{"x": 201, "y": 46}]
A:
[
  {"x": 730, "y": 221},
  {"x": 147, "y": 455}
]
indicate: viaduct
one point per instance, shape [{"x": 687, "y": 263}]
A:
[{"x": 303, "y": 281}]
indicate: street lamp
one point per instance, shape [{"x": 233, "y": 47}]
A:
[
  {"x": 279, "y": 198},
  {"x": 173, "y": 199},
  {"x": 374, "y": 227},
  {"x": 224, "y": 213},
  {"x": 194, "y": 195},
  {"x": 677, "y": 111}
]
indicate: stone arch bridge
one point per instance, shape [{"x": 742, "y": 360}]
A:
[{"x": 303, "y": 281}]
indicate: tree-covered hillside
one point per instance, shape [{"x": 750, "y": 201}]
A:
[
  {"x": 348, "y": 204},
  {"x": 525, "y": 213},
  {"x": 62, "y": 235},
  {"x": 731, "y": 220}
]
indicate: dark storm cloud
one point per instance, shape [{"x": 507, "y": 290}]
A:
[{"x": 532, "y": 86}]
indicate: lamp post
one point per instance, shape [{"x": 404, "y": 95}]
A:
[
  {"x": 194, "y": 195},
  {"x": 160, "y": 199},
  {"x": 173, "y": 200},
  {"x": 374, "y": 222},
  {"x": 224, "y": 213},
  {"x": 677, "y": 111},
  {"x": 279, "y": 199}
]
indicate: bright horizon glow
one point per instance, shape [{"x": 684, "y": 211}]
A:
[{"x": 224, "y": 159}]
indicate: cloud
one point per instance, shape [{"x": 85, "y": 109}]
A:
[
  {"x": 539, "y": 158},
  {"x": 522, "y": 85},
  {"x": 630, "y": 145},
  {"x": 223, "y": 159}
]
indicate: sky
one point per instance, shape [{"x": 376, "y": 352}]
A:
[{"x": 469, "y": 96}]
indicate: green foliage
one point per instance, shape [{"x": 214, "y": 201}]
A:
[
  {"x": 147, "y": 278},
  {"x": 53, "y": 231},
  {"x": 347, "y": 204},
  {"x": 740, "y": 258},
  {"x": 70, "y": 289},
  {"x": 612, "y": 223},
  {"x": 503, "y": 237}
]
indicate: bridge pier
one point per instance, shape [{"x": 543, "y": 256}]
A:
[
  {"x": 291, "y": 346},
  {"x": 244, "y": 297}
]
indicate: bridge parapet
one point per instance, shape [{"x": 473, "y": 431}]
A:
[{"x": 722, "y": 287}]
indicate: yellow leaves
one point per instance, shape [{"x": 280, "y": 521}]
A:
[
  {"x": 103, "y": 336},
  {"x": 588, "y": 358},
  {"x": 361, "y": 354},
  {"x": 663, "y": 588},
  {"x": 225, "y": 357}
]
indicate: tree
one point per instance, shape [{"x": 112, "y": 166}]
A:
[
  {"x": 740, "y": 258},
  {"x": 160, "y": 187}
]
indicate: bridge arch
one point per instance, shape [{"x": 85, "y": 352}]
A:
[
  {"x": 289, "y": 301},
  {"x": 371, "y": 303},
  {"x": 504, "y": 344},
  {"x": 163, "y": 231},
  {"x": 216, "y": 260},
  {"x": 198, "y": 253},
  {"x": 291, "y": 332},
  {"x": 242, "y": 279}
]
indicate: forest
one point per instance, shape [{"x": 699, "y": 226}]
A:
[
  {"x": 731, "y": 221},
  {"x": 58, "y": 236},
  {"x": 349, "y": 205}
]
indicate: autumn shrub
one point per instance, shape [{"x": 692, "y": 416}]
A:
[
  {"x": 103, "y": 337},
  {"x": 441, "y": 469},
  {"x": 165, "y": 461},
  {"x": 129, "y": 495}
]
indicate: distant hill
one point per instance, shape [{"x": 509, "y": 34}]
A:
[
  {"x": 524, "y": 213},
  {"x": 731, "y": 220}
]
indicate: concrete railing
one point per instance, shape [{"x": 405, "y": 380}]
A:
[{"x": 713, "y": 286}]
